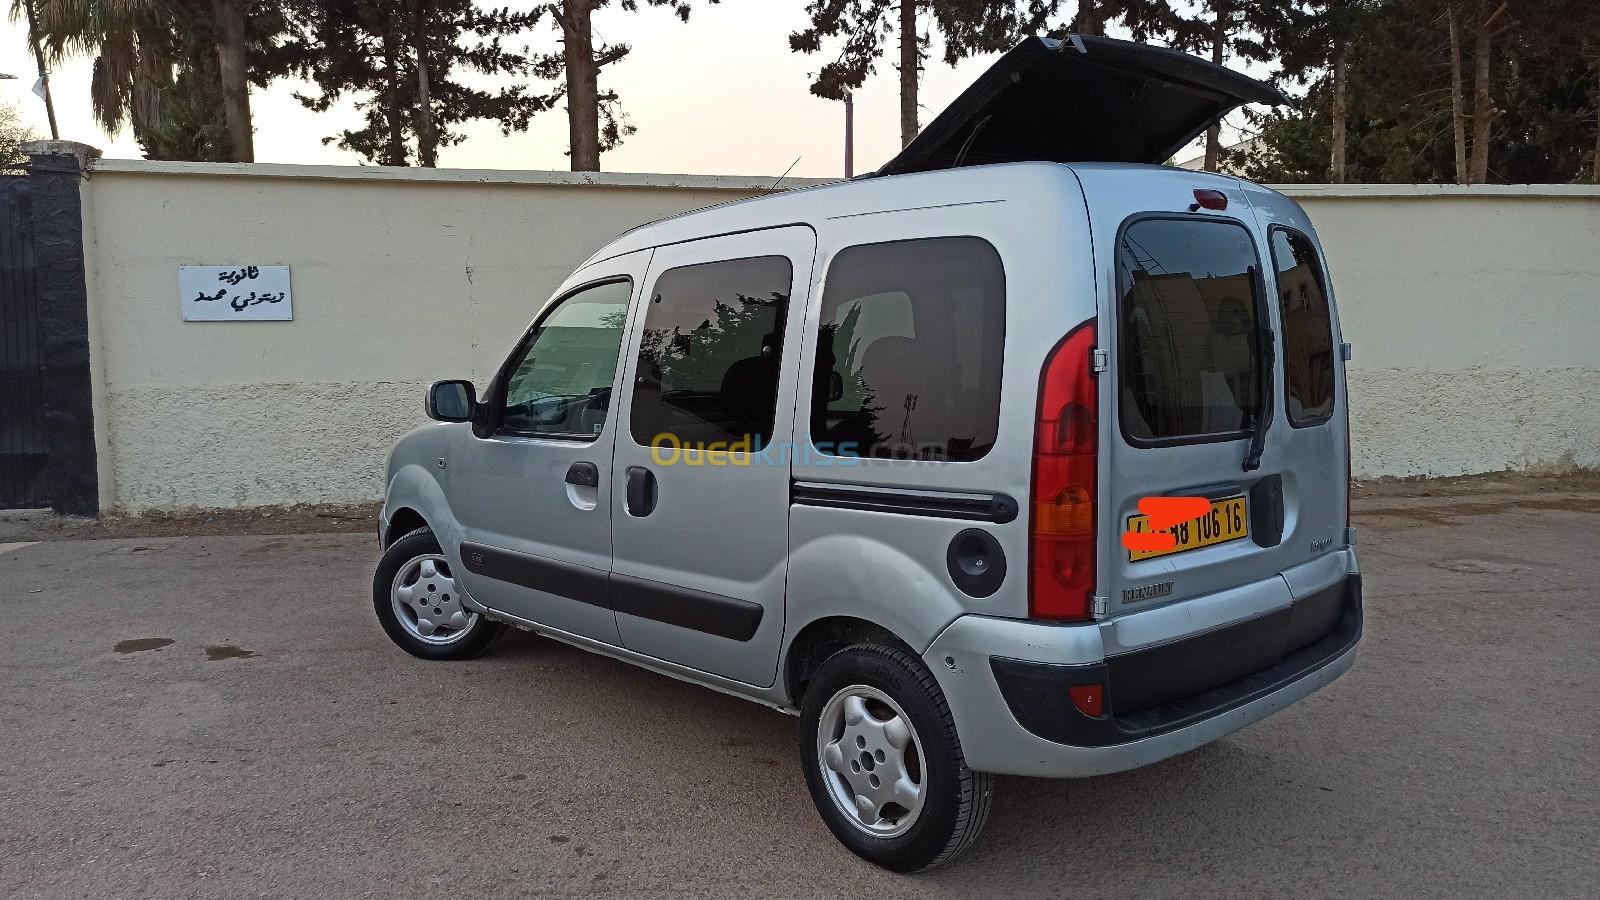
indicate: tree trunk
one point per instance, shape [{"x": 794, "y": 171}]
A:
[
  {"x": 910, "y": 62},
  {"x": 1088, "y": 20},
  {"x": 583, "y": 86},
  {"x": 234, "y": 71},
  {"x": 1458, "y": 111},
  {"x": 1341, "y": 61},
  {"x": 1219, "y": 40},
  {"x": 44, "y": 71},
  {"x": 427, "y": 138},
  {"x": 1483, "y": 111},
  {"x": 1596, "y": 59},
  {"x": 1597, "y": 125},
  {"x": 394, "y": 151}
]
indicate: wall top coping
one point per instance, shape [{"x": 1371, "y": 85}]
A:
[
  {"x": 757, "y": 183},
  {"x": 742, "y": 183}
]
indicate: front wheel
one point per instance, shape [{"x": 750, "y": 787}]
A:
[
  {"x": 883, "y": 763},
  {"x": 418, "y": 602}
]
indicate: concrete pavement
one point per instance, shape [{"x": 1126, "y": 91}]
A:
[{"x": 221, "y": 716}]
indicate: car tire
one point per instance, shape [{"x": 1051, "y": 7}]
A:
[
  {"x": 942, "y": 818},
  {"x": 418, "y": 602}
]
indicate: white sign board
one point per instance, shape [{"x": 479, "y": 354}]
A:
[{"x": 235, "y": 293}]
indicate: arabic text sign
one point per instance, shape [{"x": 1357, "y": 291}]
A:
[{"x": 235, "y": 293}]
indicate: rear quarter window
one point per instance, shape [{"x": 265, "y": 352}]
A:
[
  {"x": 910, "y": 349},
  {"x": 1307, "y": 329},
  {"x": 1188, "y": 318}
]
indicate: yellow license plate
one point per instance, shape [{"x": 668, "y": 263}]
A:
[{"x": 1225, "y": 522}]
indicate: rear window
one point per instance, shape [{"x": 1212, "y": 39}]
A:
[
  {"x": 1307, "y": 329},
  {"x": 1188, "y": 315},
  {"x": 909, "y": 351}
]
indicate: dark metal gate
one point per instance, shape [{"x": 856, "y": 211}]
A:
[{"x": 23, "y": 443}]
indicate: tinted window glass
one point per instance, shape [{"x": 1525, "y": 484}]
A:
[
  {"x": 709, "y": 355},
  {"x": 1307, "y": 329},
  {"x": 562, "y": 383},
  {"x": 1189, "y": 329},
  {"x": 909, "y": 351}
]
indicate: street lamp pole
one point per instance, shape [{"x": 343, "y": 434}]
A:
[
  {"x": 44, "y": 73},
  {"x": 849, "y": 135}
]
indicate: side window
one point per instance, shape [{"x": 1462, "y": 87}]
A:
[
  {"x": 909, "y": 351},
  {"x": 1190, "y": 364},
  {"x": 709, "y": 355},
  {"x": 1307, "y": 329},
  {"x": 561, "y": 385}
]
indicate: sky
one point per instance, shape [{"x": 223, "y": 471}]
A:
[{"x": 721, "y": 95}]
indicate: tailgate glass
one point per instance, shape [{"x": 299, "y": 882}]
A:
[
  {"x": 1189, "y": 307},
  {"x": 1307, "y": 329}
]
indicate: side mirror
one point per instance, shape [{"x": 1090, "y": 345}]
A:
[
  {"x": 835, "y": 386},
  {"x": 452, "y": 401}
]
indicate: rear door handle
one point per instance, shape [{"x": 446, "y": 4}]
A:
[
  {"x": 641, "y": 496},
  {"x": 584, "y": 474}
]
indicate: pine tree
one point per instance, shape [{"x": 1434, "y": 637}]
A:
[
  {"x": 578, "y": 67},
  {"x": 402, "y": 59},
  {"x": 969, "y": 27},
  {"x": 1227, "y": 31},
  {"x": 1146, "y": 19},
  {"x": 1414, "y": 111}
]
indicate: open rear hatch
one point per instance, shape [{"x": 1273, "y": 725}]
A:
[{"x": 1081, "y": 99}]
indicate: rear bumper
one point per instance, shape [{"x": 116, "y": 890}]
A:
[{"x": 1015, "y": 716}]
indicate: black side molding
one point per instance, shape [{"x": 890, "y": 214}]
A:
[
  {"x": 996, "y": 508},
  {"x": 727, "y": 617},
  {"x": 575, "y": 582}
]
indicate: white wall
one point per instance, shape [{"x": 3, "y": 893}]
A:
[
  {"x": 400, "y": 277},
  {"x": 1474, "y": 313}
]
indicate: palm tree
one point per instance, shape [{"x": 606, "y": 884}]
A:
[
  {"x": 131, "y": 46},
  {"x": 141, "y": 48}
]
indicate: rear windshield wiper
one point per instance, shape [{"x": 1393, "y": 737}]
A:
[{"x": 1258, "y": 428}]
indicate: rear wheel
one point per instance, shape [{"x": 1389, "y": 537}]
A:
[
  {"x": 419, "y": 604},
  {"x": 883, "y": 763}
]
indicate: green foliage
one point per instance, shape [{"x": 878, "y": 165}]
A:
[
  {"x": 155, "y": 66},
  {"x": 969, "y": 27},
  {"x": 192, "y": 126},
  {"x": 1545, "y": 90},
  {"x": 13, "y": 134}
]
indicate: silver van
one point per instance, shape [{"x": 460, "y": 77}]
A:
[{"x": 1023, "y": 455}]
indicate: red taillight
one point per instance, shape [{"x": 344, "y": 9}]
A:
[
  {"x": 1205, "y": 198},
  {"x": 1062, "y": 529}
]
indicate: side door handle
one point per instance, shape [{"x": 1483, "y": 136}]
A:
[
  {"x": 641, "y": 497},
  {"x": 584, "y": 474}
]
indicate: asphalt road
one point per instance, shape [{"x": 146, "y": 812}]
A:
[{"x": 278, "y": 745}]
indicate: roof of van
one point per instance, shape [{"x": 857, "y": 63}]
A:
[
  {"x": 867, "y": 196},
  {"x": 1045, "y": 102}
]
